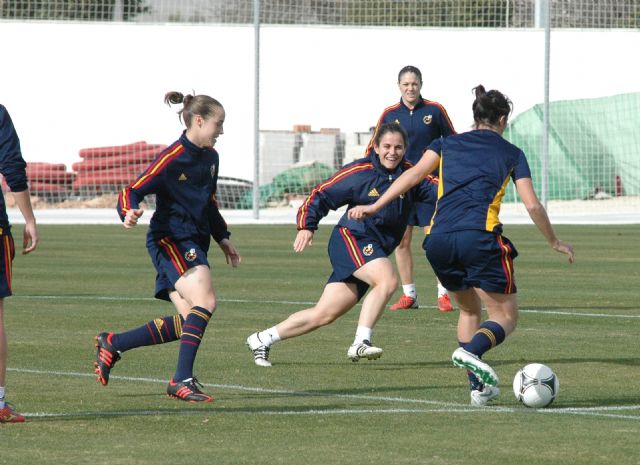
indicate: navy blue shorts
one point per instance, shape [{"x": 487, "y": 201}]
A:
[
  {"x": 472, "y": 258},
  {"x": 172, "y": 259},
  {"x": 349, "y": 252},
  {"x": 7, "y": 254},
  {"x": 420, "y": 214}
]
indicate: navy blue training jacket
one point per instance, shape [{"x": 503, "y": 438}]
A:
[
  {"x": 184, "y": 178},
  {"x": 361, "y": 183},
  {"x": 12, "y": 165},
  {"x": 426, "y": 122}
]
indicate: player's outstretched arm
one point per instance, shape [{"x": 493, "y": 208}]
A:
[
  {"x": 406, "y": 181},
  {"x": 539, "y": 216}
]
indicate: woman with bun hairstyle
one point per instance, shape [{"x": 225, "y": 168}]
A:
[
  {"x": 184, "y": 180},
  {"x": 465, "y": 245}
]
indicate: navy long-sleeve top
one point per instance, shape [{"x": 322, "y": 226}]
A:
[
  {"x": 427, "y": 121},
  {"x": 362, "y": 182},
  {"x": 184, "y": 179},
  {"x": 12, "y": 165}
]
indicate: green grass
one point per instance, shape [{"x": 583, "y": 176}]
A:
[{"x": 314, "y": 406}]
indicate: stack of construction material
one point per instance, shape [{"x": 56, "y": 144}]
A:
[
  {"x": 49, "y": 181},
  {"x": 108, "y": 169}
]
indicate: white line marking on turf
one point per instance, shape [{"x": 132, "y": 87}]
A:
[
  {"x": 298, "y": 303},
  {"x": 445, "y": 407}
]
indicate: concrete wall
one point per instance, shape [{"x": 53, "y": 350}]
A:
[{"x": 70, "y": 86}]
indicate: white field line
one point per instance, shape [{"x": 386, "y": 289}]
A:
[
  {"x": 297, "y": 303},
  {"x": 439, "y": 407}
]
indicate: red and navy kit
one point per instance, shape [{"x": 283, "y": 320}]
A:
[
  {"x": 465, "y": 245},
  {"x": 13, "y": 168},
  {"x": 424, "y": 123},
  {"x": 184, "y": 180},
  {"x": 475, "y": 169},
  {"x": 12, "y": 165},
  {"x": 354, "y": 243}
]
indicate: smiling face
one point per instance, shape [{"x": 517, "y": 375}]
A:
[
  {"x": 410, "y": 85},
  {"x": 204, "y": 132},
  {"x": 390, "y": 150}
]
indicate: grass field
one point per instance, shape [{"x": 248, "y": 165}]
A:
[{"x": 315, "y": 406}]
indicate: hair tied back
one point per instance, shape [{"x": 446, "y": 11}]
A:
[{"x": 173, "y": 98}]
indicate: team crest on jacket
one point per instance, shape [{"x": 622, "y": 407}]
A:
[
  {"x": 190, "y": 255},
  {"x": 427, "y": 119},
  {"x": 212, "y": 170},
  {"x": 367, "y": 250}
]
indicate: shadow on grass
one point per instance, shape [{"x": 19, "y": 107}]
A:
[
  {"x": 630, "y": 361},
  {"x": 336, "y": 408}
]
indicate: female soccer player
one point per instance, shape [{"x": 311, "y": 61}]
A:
[
  {"x": 424, "y": 121},
  {"x": 13, "y": 168},
  {"x": 184, "y": 179},
  {"x": 358, "y": 251},
  {"x": 465, "y": 245}
]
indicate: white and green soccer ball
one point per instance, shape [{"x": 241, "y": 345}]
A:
[{"x": 536, "y": 385}]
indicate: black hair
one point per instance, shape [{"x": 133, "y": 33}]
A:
[
  {"x": 489, "y": 107},
  {"x": 410, "y": 69}
]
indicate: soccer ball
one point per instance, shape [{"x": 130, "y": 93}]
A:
[{"x": 536, "y": 385}]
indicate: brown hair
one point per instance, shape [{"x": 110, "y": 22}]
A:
[
  {"x": 392, "y": 128},
  {"x": 202, "y": 105}
]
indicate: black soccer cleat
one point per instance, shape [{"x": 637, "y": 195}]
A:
[
  {"x": 188, "y": 391},
  {"x": 106, "y": 357}
]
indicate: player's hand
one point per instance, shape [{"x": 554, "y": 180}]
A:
[
  {"x": 303, "y": 239},
  {"x": 360, "y": 212},
  {"x": 131, "y": 218},
  {"x": 231, "y": 254},
  {"x": 30, "y": 238},
  {"x": 565, "y": 248}
]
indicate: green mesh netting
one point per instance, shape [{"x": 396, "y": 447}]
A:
[
  {"x": 298, "y": 180},
  {"x": 594, "y": 146}
]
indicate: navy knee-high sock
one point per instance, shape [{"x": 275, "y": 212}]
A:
[
  {"x": 487, "y": 337},
  {"x": 192, "y": 332},
  {"x": 158, "y": 331}
]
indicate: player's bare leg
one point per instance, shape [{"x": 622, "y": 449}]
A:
[
  {"x": 404, "y": 263},
  {"x": 380, "y": 276}
]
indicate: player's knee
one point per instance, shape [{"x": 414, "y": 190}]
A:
[
  {"x": 325, "y": 318},
  {"x": 209, "y": 302},
  {"x": 390, "y": 285},
  {"x": 387, "y": 283}
]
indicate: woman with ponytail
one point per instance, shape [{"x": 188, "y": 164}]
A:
[
  {"x": 465, "y": 245},
  {"x": 184, "y": 180}
]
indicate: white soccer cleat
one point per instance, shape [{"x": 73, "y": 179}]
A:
[
  {"x": 364, "y": 350},
  {"x": 260, "y": 351},
  {"x": 463, "y": 359},
  {"x": 480, "y": 397}
]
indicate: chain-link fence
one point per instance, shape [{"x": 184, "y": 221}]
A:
[{"x": 414, "y": 13}]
